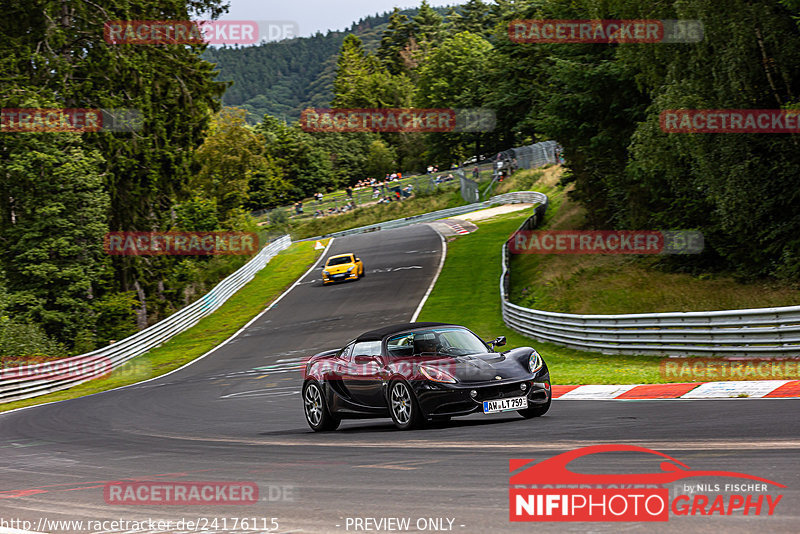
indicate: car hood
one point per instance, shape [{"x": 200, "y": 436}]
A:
[
  {"x": 337, "y": 269},
  {"x": 483, "y": 367}
]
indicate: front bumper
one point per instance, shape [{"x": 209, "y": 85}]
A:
[
  {"x": 438, "y": 399},
  {"x": 340, "y": 277}
]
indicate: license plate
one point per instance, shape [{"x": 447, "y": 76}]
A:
[
  {"x": 505, "y": 405},
  {"x": 338, "y": 276}
]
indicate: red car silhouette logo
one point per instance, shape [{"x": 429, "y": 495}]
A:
[{"x": 554, "y": 470}]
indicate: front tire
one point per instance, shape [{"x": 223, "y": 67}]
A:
[
  {"x": 537, "y": 410},
  {"x": 318, "y": 415},
  {"x": 404, "y": 407}
]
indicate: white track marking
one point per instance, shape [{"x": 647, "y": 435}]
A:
[
  {"x": 596, "y": 392},
  {"x": 435, "y": 277}
]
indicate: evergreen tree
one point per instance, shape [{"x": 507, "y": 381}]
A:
[
  {"x": 428, "y": 25},
  {"x": 363, "y": 82},
  {"x": 53, "y": 218},
  {"x": 396, "y": 39},
  {"x": 474, "y": 17},
  {"x": 57, "y": 52}
]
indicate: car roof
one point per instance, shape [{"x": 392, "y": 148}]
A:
[{"x": 379, "y": 333}]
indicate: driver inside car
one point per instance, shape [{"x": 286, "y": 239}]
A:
[{"x": 426, "y": 344}]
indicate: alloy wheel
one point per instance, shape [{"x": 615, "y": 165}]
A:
[
  {"x": 313, "y": 404},
  {"x": 401, "y": 403}
]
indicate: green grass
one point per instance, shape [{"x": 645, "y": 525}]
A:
[
  {"x": 467, "y": 293},
  {"x": 267, "y": 285},
  {"x": 613, "y": 284}
]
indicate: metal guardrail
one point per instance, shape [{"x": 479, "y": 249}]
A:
[
  {"x": 18, "y": 383},
  {"x": 747, "y": 332}
]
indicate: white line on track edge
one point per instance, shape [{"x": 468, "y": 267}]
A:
[
  {"x": 242, "y": 329},
  {"x": 435, "y": 278}
]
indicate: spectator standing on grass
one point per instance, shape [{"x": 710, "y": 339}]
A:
[{"x": 476, "y": 173}]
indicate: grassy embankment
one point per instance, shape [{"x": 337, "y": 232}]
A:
[
  {"x": 467, "y": 290},
  {"x": 376, "y": 213},
  {"x": 425, "y": 199},
  {"x": 609, "y": 284},
  {"x": 268, "y": 284}
]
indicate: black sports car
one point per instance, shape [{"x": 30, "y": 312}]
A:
[{"x": 416, "y": 372}]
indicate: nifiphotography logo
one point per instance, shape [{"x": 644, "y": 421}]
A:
[{"x": 549, "y": 491}]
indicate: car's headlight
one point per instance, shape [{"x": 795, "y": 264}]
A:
[
  {"x": 436, "y": 375},
  {"x": 325, "y": 273},
  {"x": 535, "y": 362},
  {"x": 351, "y": 268}
]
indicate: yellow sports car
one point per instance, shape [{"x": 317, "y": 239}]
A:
[{"x": 342, "y": 267}]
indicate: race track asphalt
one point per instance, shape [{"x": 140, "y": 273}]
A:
[{"x": 236, "y": 415}]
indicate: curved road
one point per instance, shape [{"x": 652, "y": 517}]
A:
[{"x": 236, "y": 416}]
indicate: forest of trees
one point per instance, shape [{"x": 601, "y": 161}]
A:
[
  {"x": 283, "y": 78},
  {"x": 197, "y": 165}
]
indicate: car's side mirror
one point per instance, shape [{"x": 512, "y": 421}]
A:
[
  {"x": 363, "y": 359},
  {"x": 499, "y": 342}
]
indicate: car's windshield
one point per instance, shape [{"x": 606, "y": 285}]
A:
[
  {"x": 436, "y": 341},
  {"x": 340, "y": 261}
]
